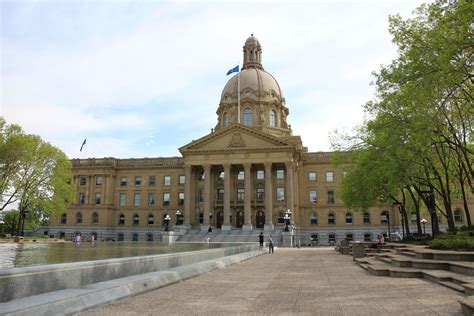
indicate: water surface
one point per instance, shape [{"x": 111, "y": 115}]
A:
[{"x": 14, "y": 255}]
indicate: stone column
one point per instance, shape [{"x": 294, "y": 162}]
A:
[
  {"x": 268, "y": 198},
  {"x": 207, "y": 197},
  {"x": 247, "y": 197},
  {"x": 187, "y": 197},
  {"x": 227, "y": 190},
  {"x": 289, "y": 188}
]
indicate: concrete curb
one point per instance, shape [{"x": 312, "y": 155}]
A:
[{"x": 75, "y": 300}]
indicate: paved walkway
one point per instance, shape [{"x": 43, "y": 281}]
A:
[{"x": 315, "y": 281}]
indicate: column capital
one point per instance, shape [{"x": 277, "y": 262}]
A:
[
  {"x": 206, "y": 166},
  {"x": 268, "y": 164},
  {"x": 227, "y": 165},
  {"x": 247, "y": 165}
]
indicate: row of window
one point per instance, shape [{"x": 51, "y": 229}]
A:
[
  {"x": 121, "y": 219},
  {"x": 248, "y": 118},
  {"x": 240, "y": 196},
  {"x": 259, "y": 174},
  {"x": 137, "y": 180},
  {"x": 349, "y": 237},
  {"x": 349, "y": 218}
]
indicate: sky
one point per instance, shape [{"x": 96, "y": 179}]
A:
[{"x": 143, "y": 78}]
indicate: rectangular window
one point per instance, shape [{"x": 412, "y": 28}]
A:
[
  {"x": 280, "y": 173},
  {"x": 167, "y": 180},
  {"x": 221, "y": 176},
  {"x": 241, "y": 175},
  {"x": 123, "y": 181},
  {"x": 329, "y": 176},
  {"x": 312, "y": 176},
  {"x": 280, "y": 194},
  {"x": 151, "y": 180},
  {"x": 151, "y": 199},
  {"x": 182, "y": 180},
  {"x": 313, "y": 197},
  {"x": 166, "y": 198},
  {"x": 82, "y": 180},
  {"x": 330, "y": 196},
  {"x": 97, "y": 198},
  {"x": 82, "y": 198},
  {"x": 240, "y": 194},
  {"x": 138, "y": 180},
  {"x": 180, "y": 198},
  {"x": 200, "y": 196},
  {"x": 201, "y": 176},
  {"x": 122, "y": 199},
  {"x": 220, "y": 195},
  {"x": 98, "y": 180},
  {"x": 260, "y": 194},
  {"x": 136, "y": 199},
  {"x": 260, "y": 174}
]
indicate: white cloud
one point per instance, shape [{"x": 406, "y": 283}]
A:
[{"x": 114, "y": 71}]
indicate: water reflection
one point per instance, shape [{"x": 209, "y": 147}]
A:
[{"x": 24, "y": 254}]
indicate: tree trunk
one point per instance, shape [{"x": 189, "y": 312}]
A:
[
  {"x": 466, "y": 206},
  {"x": 416, "y": 202}
]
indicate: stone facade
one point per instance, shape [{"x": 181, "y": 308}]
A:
[{"x": 244, "y": 175}]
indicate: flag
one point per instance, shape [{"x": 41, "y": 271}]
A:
[
  {"x": 235, "y": 69},
  {"x": 83, "y": 143}
]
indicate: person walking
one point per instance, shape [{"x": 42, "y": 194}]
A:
[
  {"x": 270, "y": 244},
  {"x": 260, "y": 239}
]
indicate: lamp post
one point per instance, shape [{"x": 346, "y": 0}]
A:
[
  {"x": 178, "y": 216},
  {"x": 424, "y": 221},
  {"x": 167, "y": 222},
  {"x": 287, "y": 218}
]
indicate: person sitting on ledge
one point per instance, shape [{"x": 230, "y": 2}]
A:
[{"x": 380, "y": 242}]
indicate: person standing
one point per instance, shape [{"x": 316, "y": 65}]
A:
[
  {"x": 270, "y": 244},
  {"x": 260, "y": 239}
]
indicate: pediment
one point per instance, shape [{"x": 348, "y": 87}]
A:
[{"x": 235, "y": 138}]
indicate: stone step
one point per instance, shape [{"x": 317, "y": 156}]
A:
[
  {"x": 467, "y": 305},
  {"x": 452, "y": 285}
]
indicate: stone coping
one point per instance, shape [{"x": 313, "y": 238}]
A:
[
  {"x": 28, "y": 281},
  {"x": 75, "y": 300}
]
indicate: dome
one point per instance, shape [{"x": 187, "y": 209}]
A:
[
  {"x": 260, "y": 103},
  {"x": 259, "y": 81}
]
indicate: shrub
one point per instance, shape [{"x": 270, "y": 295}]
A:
[{"x": 461, "y": 241}]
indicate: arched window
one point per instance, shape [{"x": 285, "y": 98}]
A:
[
  {"x": 281, "y": 219},
  {"x": 348, "y": 218},
  {"x": 135, "y": 237},
  {"x": 332, "y": 238},
  {"x": 151, "y": 219},
  {"x": 273, "y": 118},
  {"x": 79, "y": 218},
  {"x": 349, "y": 237},
  {"x": 136, "y": 219},
  {"x": 367, "y": 237},
  {"x": 149, "y": 237},
  {"x": 225, "y": 119},
  {"x": 331, "y": 218},
  {"x": 120, "y": 237},
  {"x": 384, "y": 217},
  {"x": 95, "y": 218},
  {"x": 247, "y": 117},
  {"x": 64, "y": 218},
  {"x": 313, "y": 218},
  {"x": 121, "y": 219},
  {"x": 457, "y": 215},
  {"x": 366, "y": 218}
]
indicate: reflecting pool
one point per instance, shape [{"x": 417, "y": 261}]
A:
[{"x": 29, "y": 254}]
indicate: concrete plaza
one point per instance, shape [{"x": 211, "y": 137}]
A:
[{"x": 312, "y": 281}]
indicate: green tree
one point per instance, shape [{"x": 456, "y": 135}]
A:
[
  {"x": 422, "y": 118},
  {"x": 38, "y": 179}
]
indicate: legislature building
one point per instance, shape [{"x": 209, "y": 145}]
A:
[{"x": 248, "y": 174}]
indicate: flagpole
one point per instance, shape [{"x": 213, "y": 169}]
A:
[{"x": 238, "y": 95}]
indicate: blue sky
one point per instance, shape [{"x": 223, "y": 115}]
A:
[{"x": 143, "y": 78}]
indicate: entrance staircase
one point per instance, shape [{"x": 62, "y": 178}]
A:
[
  {"x": 196, "y": 235},
  {"x": 453, "y": 269}
]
